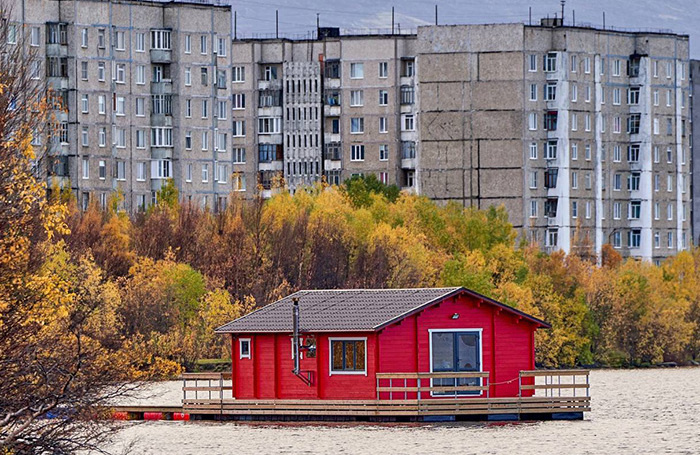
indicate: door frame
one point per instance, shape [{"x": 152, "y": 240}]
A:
[{"x": 479, "y": 331}]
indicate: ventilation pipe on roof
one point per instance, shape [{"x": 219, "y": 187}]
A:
[{"x": 296, "y": 345}]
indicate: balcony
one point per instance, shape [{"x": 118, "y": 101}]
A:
[
  {"x": 163, "y": 87},
  {"x": 331, "y": 111},
  {"x": 161, "y": 120},
  {"x": 274, "y": 84},
  {"x": 161, "y": 56}
]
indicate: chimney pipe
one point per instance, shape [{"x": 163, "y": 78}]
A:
[{"x": 295, "y": 330}]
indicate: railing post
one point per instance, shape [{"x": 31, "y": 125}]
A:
[
  {"x": 405, "y": 392},
  {"x": 377, "y": 387},
  {"x": 520, "y": 384},
  {"x": 418, "y": 379}
]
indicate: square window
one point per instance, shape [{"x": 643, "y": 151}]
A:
[{"x": 244, "y": 348}]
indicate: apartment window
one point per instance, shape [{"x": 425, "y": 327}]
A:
[
  {"x": 270, "y": 73},
  {"x": 656, "y": 126},
  {"x": 356, "y": 98},
  {"x": 84, "y": 71},
  {"x": 161, "y": 169},
  {"x": 203, "y": 44},
  {"x": 384, "y": 177},
  {"x": 161, "y": 137},
  {"x": 634, "y": 238},
  {"x": 357, "y": 71},
  {"x": 222, "y": 173},
  {"x": 357, "y": 125},
  {"x": 140, "y": 74},
  {"x": 239, "y": 155},
  {"x": 533, "y": 179},
  {"x": 550, "y": 91},
  {"x": 238, "y": 182},
  {"x": 86, "y": 168},
  {"x": 383, "y": 152},
  {"x": 239, "y": 128},
  {"x": 657, "y": 210},
  {"x": 221, "y": 78},
  {"x": 221, "y": 140},
  {"x": 238, "y": 74},
  {"x": 617, "y": 182},
  {"x": 120, "y": 76},
  {"x": 587, "y": 122},
  {"x": 222, "y": 109},
  {"x": 140, "y": 42},
  {"x": 188, "y": 173},
  {"x": 533, "y": 92},
  {"x": 383, "y": 70},
  {"x": 550, "y": 208},
  {"x": 587, "y": 180},
  {"x": 408, "y": 67},
  {"x": 188, "y": 140},
  {"x": 574, "y": 151},
  {"x": 633, "y": 64},
  {"x": 121, "y": 170},
  {"x": 103, "y": 137},
  {"x": 205, "y": 140},
  {"x": 657, "y": 239},
  {"x": 588, "y": 209},
  {"x": 587, "y": 65},
  {"x": 408, "y": 123},
  {"x": 140, "y": 139},
  {"x": 669, "y": 127},
  {"x": 532, "y": 121},
  {"x": 269, "y": 125},
  {"x": 84, "y": 103},
  {"x": 205, "y": 108},
  {"x": 533, "y": 209},
  {"x": 357, "y": 153},
  {"x": 669, "y": 239},
  {"x": 188, "y": 44},
  {"x": 238, "y": 101},
  {"x": 84, "y": 37},
  {"x": 102, "y": 170},
  {"x": 57, "y": 67},
  {"x": 120, "y": 108},
  {"x": 121, "y": 138},
  {"x": 633, "y": 181},
  {"x": 669, "y": 183},
  {"x": 161, "y": 104},
  {"x": 335, "y": 125},
  {"x": 669, "y": 155},
  {"x": 617, "y": 125},
  {"x": 140, "y": 107},
  {"x": 204, "y": 76},
  {"x": 656, "y": 97},
  {"x": 382, "y": 125},
  {"x": 119, "y": 41},
  {"x": 533, "y": 150},
  {"x": 408, "y": 149},
  {"x": 574, "y": 209},
  {"x": 407, "y": 93},
  {"x": 657, "y": 182},
  {"x": 617, "y": 210},
  {"x": 533, "y": 63},
  {"x": 188, "y": 108},
  {"x": 101, "y": 38},
  {"x": 633, "y": 153},
  {"x": 222, "y": 47},
  {"x": 617, "y": 239},
  {"x": 550, "y": 121},
  {"x": 552, "y": 238},
  {"x": 574, "y": 63},
  {"x": 550, "y": 62},
  {"x": 634, "y": 210},
  {"x": 188, "y": 76},
  {"x": 574, "y": 180},
  {"x": 617, "y": 98},
  {"x": 633, "y": 96},
  {"x": 669, "y": 98},
  {"x": 84, "y": 137},
  {"x": 633, "y": 122},
  {"x": 574, "y": 122},
  {"x": 588, "y": 93},
  {"x": 551, "y": 153},
  {"x": 383, "y": 97},
  {"x": 574, "y": 93},
  {"x": 616, "y": 67}
]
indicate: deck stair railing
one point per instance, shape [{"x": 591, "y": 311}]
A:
[
  {"x": 411, "y": 386},
  {"x": 554, "y": 383}
]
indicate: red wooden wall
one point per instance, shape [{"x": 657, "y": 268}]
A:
[{"x": 507, "y": 347}]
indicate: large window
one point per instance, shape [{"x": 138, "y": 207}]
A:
[
  {"x": 348, "y": 356},
  {"x": 456, "y": 351}
]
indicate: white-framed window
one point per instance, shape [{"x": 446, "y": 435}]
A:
[
  {"x": 205, "y": 140},
  {"x": 533, "y": 92},
  {"x": 101, "y": 71},
  {"x": 203, "y": 44},
  {"x": 121, "y": 170},
  {"x": 161, "y": 137},
  {"x": 140, "y": 107},
  {"x": 532, "y": 67},
  {"x": 574, "y": 122},
  {"x": 574, "y": 63},
  {"x": 617, "y": 153},
  {"x": 84, "y": 71},
  {"x": 669, "y": 155},
  {"x": 120, "y": 108},
  {"x": 669, "y": 183},
  {"x": 188, "y": 76},
  {"x": 238, "y": 155},
  {"x": 634, "y": 210},
  {"x": 616, "y": 67},
  {"x": 357, "y": 71},
  {"x": 588, "y": 210},
  {"x": 222, "y": 173},
  {"x": 617, "y": 210},
  {"x": 140, "y": 139},
  {"x": 587, "y": 65},
  {"x": 84, "y": 103},
  {"x": 238, "y": 181},
  {"x": 238, "y": 101},
  {"x": 188, "y": 108},
  {"x": 617, "y": 96},
  {"x": 238, "y": 74},
  {"x": 532, "y": 121},
  {"x": 574, "y": 209},
  {"x": 222, "y": 109},
  {"x": 221, "y": 51},
  {"x": 669, "y": 239},
  {"x": 102, "y": 170},
  {"x": 102, "y": 137},
  {"x": 533, "y": 180},
  {"x": 533, "y": 209},
  {"x": 383, "y": 152},
  {"x": 574, "y": 180},
  {"x": 101, "y": 38},
  {"x": 383, "y": 97},
  {"x": 574, "y": 93},
  {"x": 188, "y": 173},
  {"x": 239, "y": 128},
  {"x": 205, "y": 108},
  {"x": 587, "y": 122},
  {"x": 119, "y": 44},
  {"x": 446, "y": 345},
  {"x": 120, "y": 75},
  {"x": 121, "y": 138},
  {"x": 269, "y": 125},
  {"x": 383, "y": 70},
  {"x": 160, "y": 39},
  {"x": 188, "y": 140},
  {"x": 84, "y": 137},
  {"x": 161, "y": 169},
  {"x": 357, "y": 152},
  {"x": 86, "y": 168},
  {"x": 357, "y": 125},
  {"x": 356, "y": 98},
  {"x": 617, "y": 182},
  {"x": 348, "y": 356},
  {"x": 533, "y": 150},
  {"x": 617, "y": 239},
  {"x": 408, "y": 123},
  {"x": 221, "y": 141},
  {"x": 574, "y": 151},
  {"x": 588, "y": 94},
  {"x": 550, "y": 91},
  {"x": 657, "y": 210},
  {"x": 383, "y": 125},
  {"x": 551, "y": 151},
  {"x": 188, "y": 44},
  {"x": 205, "y": 173},
  {"x": 140, "y": 74},
  {"x": 633, "y": 153},
  {"x": 140, "y": 45},
  {"x": 657, "y": 239},
  {"x": 634, "y": 238},
  {"x": 550, "y": 62},
  {"x": 84, "y": 37},
  {"x": 669, "y": 70},
  {"x": 617, "y": 125}
]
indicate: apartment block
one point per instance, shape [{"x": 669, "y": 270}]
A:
[{"x": 144, "y": 91}]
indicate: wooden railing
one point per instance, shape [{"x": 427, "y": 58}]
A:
[
  {"x": 206, "y": 386},
  {"x": 412, "y": 385},
  {"x": 555, "y": 383}
]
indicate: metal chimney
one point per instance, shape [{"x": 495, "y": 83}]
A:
[{"x": 295, "y": 333}]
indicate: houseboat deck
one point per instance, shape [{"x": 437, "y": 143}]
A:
[{"x": 543, "y": 395}]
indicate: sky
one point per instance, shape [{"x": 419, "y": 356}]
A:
[{"x": 256, "y": 18}]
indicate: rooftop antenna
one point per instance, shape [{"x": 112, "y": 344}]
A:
[
  {"x": 436, "y": 14},
  {"x": 563, "y": 2},
  {"x": 530, "y": 14},
  {"x": 277, "y": 23},
  {"x": 392, "y": 20}
]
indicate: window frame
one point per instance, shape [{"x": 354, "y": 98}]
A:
[
  {"x": 240, "y": 348},
  {"x": 480, "y": 334},
  {"x": 331, "y": 371}
]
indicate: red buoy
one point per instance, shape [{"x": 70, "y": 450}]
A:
[
  {"x": 152, "y": 416},
  {"x": 180, "y": 416}
]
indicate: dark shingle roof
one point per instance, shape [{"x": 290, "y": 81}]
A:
[{"x": 348, "y": 310}]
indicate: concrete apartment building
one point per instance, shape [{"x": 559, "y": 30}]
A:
[
  {"x": 580, "y": 133},
  {"x": 145, "y": 92}
]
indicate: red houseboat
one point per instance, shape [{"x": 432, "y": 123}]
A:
[{"x": 390, "y": 352}]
